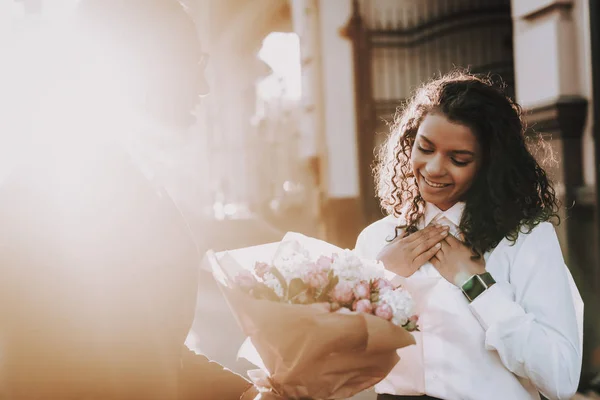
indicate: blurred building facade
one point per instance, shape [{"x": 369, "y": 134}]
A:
[
  {"x": 362, "y": 58},
  {"x": 253, "y": 143},
  {"x": 554, "y": 81},
  {"x": 542, "y": 49}
]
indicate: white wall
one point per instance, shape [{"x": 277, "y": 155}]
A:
[
  {"x": 552, "y": 58},
  {"x": 544, "y": 67},
  {"x": 338, "y": 92},
  {"x": 305, "y": 17}
]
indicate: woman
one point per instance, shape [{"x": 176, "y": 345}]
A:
[{"x": 469, "y": 232}]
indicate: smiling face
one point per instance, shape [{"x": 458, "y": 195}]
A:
[{"x": 445, "y": 159}]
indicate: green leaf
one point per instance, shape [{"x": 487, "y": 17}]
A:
[
  {"x": 280, "y": 278},
  {"x": 303, "y": 298},
  {"x": 374, "y": 297},
  {"x": 333, "y": 281},
  {"x": 296, "y": 287},
  {"x": 411, "y": 326},
  {"x": 262, "y": 291}
]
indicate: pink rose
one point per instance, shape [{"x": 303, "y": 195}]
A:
[
  {"x": 261, "y": 269},
  {"x": 363, "y": 305},
  {"x": 342, "y": 293},
  {"x": 382, "y": 284},
  {"x": 315, "y": 277},
  {"x": 324, "y": 263},
  {"x": 384, "y": 311},
  {"x": 245, "y": 280},
  {"x": 362, "y": 290}
]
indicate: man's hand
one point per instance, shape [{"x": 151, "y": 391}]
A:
[
  {"x": 454, "y": 261},
  {"x": 250, "y": 394},
  {"x": 404, "y": 256},
  {"x": 200, "y": 378}
]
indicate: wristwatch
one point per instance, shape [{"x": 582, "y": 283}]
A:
[{"x": 476, "y": 285}]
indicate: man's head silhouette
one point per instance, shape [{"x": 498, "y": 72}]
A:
[
  {"x": 141, "y": 53},
  {"x": 100, "y": 267}
]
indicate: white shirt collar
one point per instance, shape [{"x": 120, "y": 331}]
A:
[{"x": 454, "y": 213}]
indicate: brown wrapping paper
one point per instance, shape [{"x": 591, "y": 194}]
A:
[
  {"x": 312, "y": 353},
  {"x": 307, "y": 351}
]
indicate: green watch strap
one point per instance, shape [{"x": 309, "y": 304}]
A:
[{"x": 476, "y": 285}]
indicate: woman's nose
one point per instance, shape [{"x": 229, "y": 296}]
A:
[{"x": 435, "y": 166}]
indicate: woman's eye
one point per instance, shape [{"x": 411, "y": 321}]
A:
[
  {"x": 426, "y": 151},
  {"x": 460, "y": 163}
]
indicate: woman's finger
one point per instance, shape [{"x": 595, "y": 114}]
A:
[
  {"x": 418, "y": 236},
  {"x": 429, "y": 241},
  {"x": 426, "y": 256},
  {"x": 453, "y": 242},
  {"x": 436, "y": 262}
]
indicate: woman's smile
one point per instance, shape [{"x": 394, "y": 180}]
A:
[{"x": 433, "y": 184}]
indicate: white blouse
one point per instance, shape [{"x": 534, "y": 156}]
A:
[{"x": 522, "y": 336}]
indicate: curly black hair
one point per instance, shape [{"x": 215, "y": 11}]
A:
[{"x": 510, "y": 192}]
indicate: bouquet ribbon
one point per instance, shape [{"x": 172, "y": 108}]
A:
[
  {"x": 265, "y": 385},
  {"x": 268, "y": 388}
]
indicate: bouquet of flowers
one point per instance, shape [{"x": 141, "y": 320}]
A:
[
  {"x": 321, "y": 322},
  {"x": 341, "y": 280}
]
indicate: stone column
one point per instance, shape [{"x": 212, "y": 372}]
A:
[
  {"x": 329, "y": 134},
  {"x": 343, "y": 214},
  {"x": 305, "y": 20}
]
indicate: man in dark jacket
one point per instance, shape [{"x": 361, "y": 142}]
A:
[{"x": 99, "y": 267}]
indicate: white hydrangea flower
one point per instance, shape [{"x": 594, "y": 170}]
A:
[
  {"x": 273, "y": 283},
  {"x": 292, "y": 261},
  {"x": 373, "y": 269},
  {"x": 348, "y": 266},
  {"x": 401, "y": 302}
]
